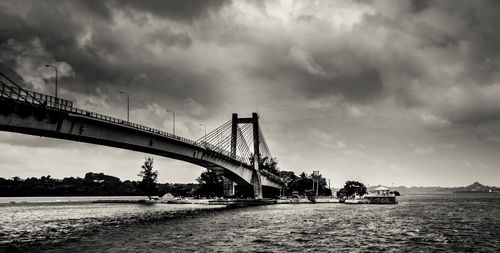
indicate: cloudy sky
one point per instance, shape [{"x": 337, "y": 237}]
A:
[{"x": 386, "y": 92}]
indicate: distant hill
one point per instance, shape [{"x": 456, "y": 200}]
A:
[{"x": 475, "y": 187}]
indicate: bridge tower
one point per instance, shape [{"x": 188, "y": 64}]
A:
[{"x": 257, "y": 185}]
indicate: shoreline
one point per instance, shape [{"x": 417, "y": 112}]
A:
[{"x": 82, "y": 200}]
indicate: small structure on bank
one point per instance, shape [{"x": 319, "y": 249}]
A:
[
  {"x": 382, "y": 191},
  {"x": 382, "y": 195}
]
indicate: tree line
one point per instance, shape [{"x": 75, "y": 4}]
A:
[
  {"x": 92, "y": 184},
  {"x": 210, "y": 184}
]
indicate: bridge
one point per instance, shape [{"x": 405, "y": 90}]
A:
[{"x": 235, "y": 149}]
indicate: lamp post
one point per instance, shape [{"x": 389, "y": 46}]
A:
[
  {"x": 205, "y": 136},
  {"x": 173, "y": 125},
  {"x": 52, "y": 66},
  {"x": 128, "y": 104}
]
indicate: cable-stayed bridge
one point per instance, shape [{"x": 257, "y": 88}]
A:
[{"x": 235, "y": 149}]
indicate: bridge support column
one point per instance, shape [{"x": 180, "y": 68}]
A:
[
  {"x": 234, "y": 129},
  {"x": 228, "y": 183},
  {"x": 257, "y": 184}
]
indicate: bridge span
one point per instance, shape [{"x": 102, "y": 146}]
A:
[{"x": 33, "y": 113}]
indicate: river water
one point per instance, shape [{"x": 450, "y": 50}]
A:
[{"x": 460, "y": 222}]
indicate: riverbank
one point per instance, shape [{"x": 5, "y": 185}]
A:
[
  {"x": 225, "y": 202},
  {"x": 64, "y": 199},
  {"x": 221, "y": 201}
]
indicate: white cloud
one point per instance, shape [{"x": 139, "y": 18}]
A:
[
  {"x": 433, "y": 121},
  {"x": 355, "y": 111},
  {"x": 305, "y": 61},
  {"x": 424, "y": 150}
]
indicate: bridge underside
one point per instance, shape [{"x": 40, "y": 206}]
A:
[{"x": 36, "y": 120}]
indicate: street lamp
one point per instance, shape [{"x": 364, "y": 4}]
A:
[
  {"x": 173, "y": 125},
  {"x": 205, "y": 137},
  {"x": 52, "y": 66},
  {"x": 128, "y": 104}
]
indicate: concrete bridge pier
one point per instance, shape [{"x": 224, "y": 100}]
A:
[{"x": 256, "y": 182}]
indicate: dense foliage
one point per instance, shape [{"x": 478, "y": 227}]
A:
[
  {"x": 93, "y": 184},
  {"x": 268, "y": 164},
  {"x": 351, "y": 189},
  {"x": 210, "y": 184},
  {"x": 303, "y": 184}
]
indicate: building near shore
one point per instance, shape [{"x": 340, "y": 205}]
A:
[
  {"x": 383, "y": 191},
  {"x": 382, "y": 195}
]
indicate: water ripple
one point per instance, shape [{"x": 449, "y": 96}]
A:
[{"x": 419, "y": 223}]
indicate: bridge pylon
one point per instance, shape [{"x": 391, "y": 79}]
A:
[{"x": 256, "y": 180}]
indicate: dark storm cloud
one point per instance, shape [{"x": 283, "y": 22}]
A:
[
  {"x": 386, "y": 54},
  {"x": 169, "y": 39},
  {"x": 362, "y": 86},
  {"x": 99, "y": 9},
  {"x": 105, "y": 61},
  {"x": 419, "y": 5},
  {"x": 53, "y": 26},
  {"x": 176, "y": 10},
  {"x": 462, "y": 36},
  {"x": 351, "y": 74}
]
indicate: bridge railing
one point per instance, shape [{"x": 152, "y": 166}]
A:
[
  {"x": 32, "y": 97},
  {"x": 18, "y": 93},
  {"x": 130, "y": 124}
]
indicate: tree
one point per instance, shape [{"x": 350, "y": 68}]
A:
[
  {"x": 352, "y": 188},
  {"x": 270, "y": 164},
  {"x": 211, "y": 184},
  {"x": 289, "y": 179},
  {"x": 148, "y": 183},
  {"x": 266, "y": 163},
  {"x": 321, "y": 184},
  {"x": 396, "y": 193},
  {"x": 303, "y": 183},
  {"x": 341, "y": 193}
]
